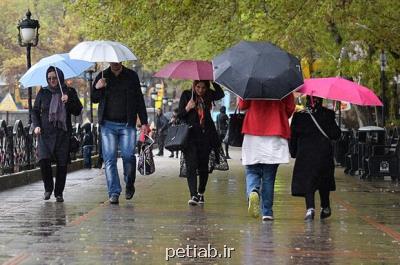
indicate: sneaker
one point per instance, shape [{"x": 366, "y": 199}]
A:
[
  {"x": 129, "y": 193},
  {"x": 193, "y": 201},
  {"x": 201, "y": 198},
  {"x": 59, "y": 198},
  {"x": 325, "y": 212},
  {"x": 114, "y": 199},
  {"x": 46, "y": 195},
  {"x": 254, "y": 204},
  {"x": 309, "y": 214},
  {"x": 171, "y": 156},
  {"x": 267, "y": 218}
]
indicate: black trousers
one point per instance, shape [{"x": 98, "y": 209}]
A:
[
  {"x": 161, "y": 142},
  {"x": 324, "y": 197},
  {"x": 47, "y": 176},
  {"x": 196, "y": 156}
]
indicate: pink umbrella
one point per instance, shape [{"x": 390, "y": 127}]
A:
[
  {"x": 188, "y": 70},
  {"x": 337, "y": 88}
]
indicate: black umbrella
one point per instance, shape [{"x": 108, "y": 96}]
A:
[{"x": 258, "y": 70}]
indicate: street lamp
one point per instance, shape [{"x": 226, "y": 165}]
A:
[
  {"x": 28, "y": 36},
  {"x": 383, "y": 64},
  {"x": 396, "y": 82},
  {"x": 154, "y": 96},
  {"x": 89, "y": 78},
  {"x": 164, "y": 102}
]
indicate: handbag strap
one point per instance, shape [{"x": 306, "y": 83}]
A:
[{"x": 316, "y": 123}]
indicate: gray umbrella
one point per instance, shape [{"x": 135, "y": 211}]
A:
[{"x": 258, "y": 70}]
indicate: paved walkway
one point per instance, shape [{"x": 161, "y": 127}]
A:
[{"x": 86, "y": 229}]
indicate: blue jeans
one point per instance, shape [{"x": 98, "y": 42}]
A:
[
  {"x": 261, "y": 178},
  {"x": 114, "y": 135}
]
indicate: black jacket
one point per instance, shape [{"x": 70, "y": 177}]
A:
[
  {"x": 314, "y": 167},
  {"x": 192, "y": 117},
  {"x": 51, "y": 137},
  {"x": 135, "y": 103}
]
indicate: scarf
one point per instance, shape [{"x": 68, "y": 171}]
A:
[
  {"x": 57, "y": 111},
  {"x": 200, "y": 107}
]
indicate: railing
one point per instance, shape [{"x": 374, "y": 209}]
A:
[{"x": 18, "y": 145}]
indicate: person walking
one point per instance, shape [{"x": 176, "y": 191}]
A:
[
  {"x": 194, "y": 110},
  {"x": 312, "y": 131},
  {"x": 117, "y": 90},
  {"x": 173, "y": 121},
  {"x": 265, "y": 145},
  {"x": 51, "y": 118},
  {"x": 161, "y": 131},
  {"x": 222, "y": 127},
  {"x": 87, "y": 147}
]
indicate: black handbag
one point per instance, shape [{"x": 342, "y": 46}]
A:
[
  {"x": 235, "y": 136},
  {"x": 177, "y": 137}
]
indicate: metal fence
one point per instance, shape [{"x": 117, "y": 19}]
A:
[{"x": 18, "y": 145}]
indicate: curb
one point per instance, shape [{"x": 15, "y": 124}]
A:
[{"x": 29, "y": 176}]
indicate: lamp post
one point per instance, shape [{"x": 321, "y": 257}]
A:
[
  {"x": 28, "y": 36},
  {"x": 383, "y": 64},
  {"x": 154, "y": 95},
  {"x": 164, "y": 102},
  {"x": 89, "y": 78},
  {"x": 396, "y": 82}
]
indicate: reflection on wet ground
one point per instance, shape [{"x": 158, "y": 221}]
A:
[{"x": 157, "y": 223}]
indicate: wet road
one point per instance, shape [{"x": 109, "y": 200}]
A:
[{"x": 157, "y": 223}]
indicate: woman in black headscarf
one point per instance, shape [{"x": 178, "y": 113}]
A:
[
  {"x": 51, "y": 119},
  {"x": 194, "y": 110},
  {"x": 312, "y": 131}
]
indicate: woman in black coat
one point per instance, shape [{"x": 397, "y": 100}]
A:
[
  {"x": 194, "y": 110},
  {"x": 52, "y": 122},
  {"x": 314, "y": 167}
]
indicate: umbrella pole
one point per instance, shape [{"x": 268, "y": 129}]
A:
[
  {"x": 340, "y": 114},
  {"x": 59, "y": 83}
]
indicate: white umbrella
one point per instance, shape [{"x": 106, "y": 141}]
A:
[{"x": 102, "y": 51}]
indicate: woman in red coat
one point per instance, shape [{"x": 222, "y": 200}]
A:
[{"x": 265, "y": 145}]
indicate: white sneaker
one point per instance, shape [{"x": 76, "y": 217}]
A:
[
  {"x": 267, "y": 218},
  {"x": 310, "y": 214},
  {"x": 254, "y": 204}
]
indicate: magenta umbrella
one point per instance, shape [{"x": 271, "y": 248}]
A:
[
  {"x": 340, "y": 89},
  {"x": 188, "y": 70}
]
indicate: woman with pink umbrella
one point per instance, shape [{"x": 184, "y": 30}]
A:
[{"x": 312, "y": 131}]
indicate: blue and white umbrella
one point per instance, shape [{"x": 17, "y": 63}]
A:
[{"x": 36, "y": 75}]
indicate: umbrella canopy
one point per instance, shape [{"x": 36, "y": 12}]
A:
[
  {"x": 102, "y": 51},
  {"x": 188, "y": 70},
  {"x": 36, "y": 75},
  {"x": 257, "y": 70},
  {"x": 337, "y": 88}
]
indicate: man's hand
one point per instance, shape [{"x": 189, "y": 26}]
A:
[
  {"x": 101, "y": 83},
  {"x": 37, "y": 131},
  {"x": 145, "y": 129}
]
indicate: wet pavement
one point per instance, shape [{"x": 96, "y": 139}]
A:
[{"x": 158, "y": 224}]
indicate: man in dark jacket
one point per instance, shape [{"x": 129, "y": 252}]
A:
[{"x": 117, "y": 90}]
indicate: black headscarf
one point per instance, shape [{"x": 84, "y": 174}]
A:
[{"x": 57, "y": 111}]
